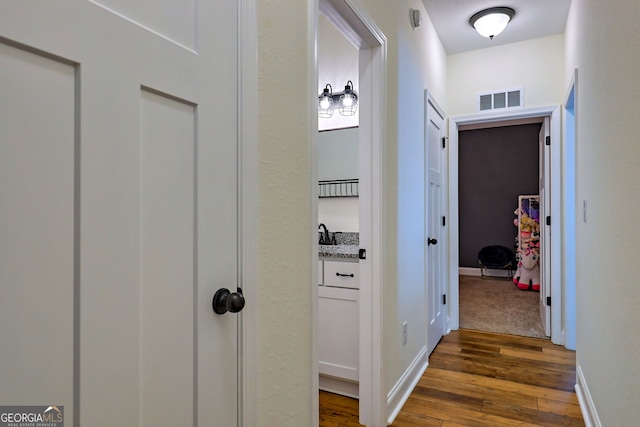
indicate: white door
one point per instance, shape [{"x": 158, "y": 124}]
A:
[
  {"x": 434, "y": 226},
  {"x": 545, "y": 230},
  {"x": 118, "y": 209}
]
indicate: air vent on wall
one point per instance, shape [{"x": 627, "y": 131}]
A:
[{"x": 505, "y": 99}]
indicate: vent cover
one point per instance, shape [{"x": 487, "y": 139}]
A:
[{"x": 504, "y": 99}]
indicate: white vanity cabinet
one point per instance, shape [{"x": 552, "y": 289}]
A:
[
  {"x": 338, "y": 327},
  {"x": 341, "y": 274}
]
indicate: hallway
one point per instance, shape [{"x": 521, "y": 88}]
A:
[{"x": 483, "y": 379}]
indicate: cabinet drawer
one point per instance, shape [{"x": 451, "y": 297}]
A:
[{"x": 342, "y": 274}]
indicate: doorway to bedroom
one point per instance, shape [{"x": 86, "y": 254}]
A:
[{"x": 498, "y": 164}]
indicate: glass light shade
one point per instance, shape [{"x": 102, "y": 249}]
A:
[
  {"x": 347, "y": 100},
  {"x": 491, "y": 25},
  {"x": 325, "y": 102},
  {"x": 491, "y": 22}
]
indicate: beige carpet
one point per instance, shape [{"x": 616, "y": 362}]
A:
[{"x": 497, "y": 305}]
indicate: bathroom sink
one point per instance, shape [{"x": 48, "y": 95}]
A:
[{"x": 329, "y": 243}]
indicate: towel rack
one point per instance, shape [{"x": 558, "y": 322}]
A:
[{"x": 338, "y": 188}]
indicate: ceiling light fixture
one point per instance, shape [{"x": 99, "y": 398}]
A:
[
  {"x": 491, "y": 22},
  {"x": 345, "y": 102}
]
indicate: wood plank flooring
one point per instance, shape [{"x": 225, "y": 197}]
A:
[{"x": 481, "y": 379}]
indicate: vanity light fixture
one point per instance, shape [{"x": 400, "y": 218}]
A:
[
  {"x": 345, "y": 102},
  {"x": 491, "y": 22},
  {"x": 325, "y": 103}
]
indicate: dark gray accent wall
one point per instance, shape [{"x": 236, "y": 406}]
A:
[{"x": 495, "y": 166}]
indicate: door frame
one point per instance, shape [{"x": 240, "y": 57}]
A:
[
  {"x": 247, "y": 209},
  {"x": 358, "y": 27},
  {"x": 570, "y": 210},
  {"x": 555, "y": 263}
]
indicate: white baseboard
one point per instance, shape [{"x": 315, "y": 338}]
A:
[
  {"x": 471, "y": 271},
  {"x": 339, "y": 386},
  {"x": 405, "y": 385},
  {"x": 587, "y": 407}
]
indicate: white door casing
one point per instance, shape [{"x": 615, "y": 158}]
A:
[
  {"x": 545, "y": 230},
  {"x": 119, "y": 209},
  {"x": 356, "y": 25},
  {"x": 569, "y": 214},
  {"x": 434, "y": 133},
  {"x": 553, "y": 112}
]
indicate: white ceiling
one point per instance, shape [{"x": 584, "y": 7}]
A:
[{"x": 533, "y": 19}]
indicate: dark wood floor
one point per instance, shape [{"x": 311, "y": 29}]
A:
[{"x": 481, "y": 379}]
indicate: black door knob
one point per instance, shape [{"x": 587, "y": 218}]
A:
[
  {"x": 431, "y": 241},
  {"x": 224, "y": 300}
]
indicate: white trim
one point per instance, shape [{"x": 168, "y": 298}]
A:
[
  {"x": 453, "y": 314},
  {"x": 312, "y": 67},
  {"x": 569, "y": 212},
  {"x": 587, "y": 407},
  {"x": 556, "y": 261},
  {"x": 248, "y": 199},
  {"x": 339, "y": 386},
  {"x": 351, "y": 18},
  {"x": 431, "y": 100},
  {"x": 401, "y": 391}
]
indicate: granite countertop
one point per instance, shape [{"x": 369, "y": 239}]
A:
[
  {"x": 347, "y": 252},
  {"x": 348, "y": 245}
]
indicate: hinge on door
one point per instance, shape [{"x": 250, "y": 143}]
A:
[
  {"x": 444, "y": 142},
  {"x": 547, "y": 140},
  {"x": 444, "y": 299},
  {"x": 548, "y": 220},
  {"x": 444, "y": 221},
  {"x": 549, "y": 301}
]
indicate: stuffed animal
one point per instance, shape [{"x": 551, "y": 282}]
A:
[
  {"x": 516, "y": 212},
  {"x": 527, "y": 275},
  {"x": 528, "y": 227}
]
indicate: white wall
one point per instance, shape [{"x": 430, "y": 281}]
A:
[
  {"x": 536, "y": 65},
  {"x": 601, "y": 38},
  {"x": 339, "y": 214},
  {"x": 337, "y": 150},
  {"x": 338, "y": 154},
  {"x": 337, "y": 64},
  {"x": 284, "y": 386},
  {"x": 416, "y": 61}
]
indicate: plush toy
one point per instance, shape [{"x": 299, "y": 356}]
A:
[
  {"x": 527, "y": 275},
  {"x": 515, "y": 220},
  {"x": 529, "y": 227}
]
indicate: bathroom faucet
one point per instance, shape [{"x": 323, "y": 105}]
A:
[{"x": 324, "y": 238}]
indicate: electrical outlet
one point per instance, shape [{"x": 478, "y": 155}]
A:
[{"x": 404, "y": 333}]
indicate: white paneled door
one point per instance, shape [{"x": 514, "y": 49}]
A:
[
  {"x": 435, "y": 236},
  {"x": 545, "y": 229},
  {"x": 118, "y": 209}
]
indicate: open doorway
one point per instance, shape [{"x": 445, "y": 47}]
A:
[
  {"x": 354, "y": 23},
  {"x": 338, "y": 214},
  {"x": 499, "y": 169},
  {"x": 553, "y": 265}
]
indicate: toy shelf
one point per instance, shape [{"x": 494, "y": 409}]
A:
[{"x": 528, "y": 223}]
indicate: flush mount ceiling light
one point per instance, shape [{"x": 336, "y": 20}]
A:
[
  {"x": 345, "y": 102},
  {"x": 491, "y": 22}
]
